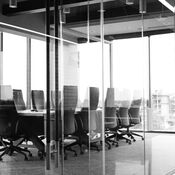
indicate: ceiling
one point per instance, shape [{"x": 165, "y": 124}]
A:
[{"x": 119, "y": 18}]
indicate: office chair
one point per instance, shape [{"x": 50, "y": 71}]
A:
[
  {"x": 135, "y": 119},
  {"x": 87, "y": 121},
  {"x": 9, "y": 129},
  {"x": 38, "y": 100},
  {"x": 20, "y": 105},
  {"x": 124, "y": 123},
  {"x": 71, "y": 137},
  {"x": 18, "y": 99},
  {"x": 111, "y": 124},
  {"x": 136, "y": 103},
  {"x": 38, "y": 103}
]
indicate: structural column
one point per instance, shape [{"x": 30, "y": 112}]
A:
[{"x": 48, "y": 84}]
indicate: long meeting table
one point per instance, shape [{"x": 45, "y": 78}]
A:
[{"x": 37, "y": 120}]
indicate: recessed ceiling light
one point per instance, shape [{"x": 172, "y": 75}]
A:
[
  {"x": 129, "y": 2},
  {"x": 13, "y": 3},
  {"x": 142, "y": 6}
]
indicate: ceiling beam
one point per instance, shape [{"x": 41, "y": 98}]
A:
[
  {"x": 38, "y": 6},
  {"x": 113, "y": 15}
]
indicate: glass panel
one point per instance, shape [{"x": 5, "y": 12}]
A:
[
  {"x": 29, "y": 133},
  {"x": 82, "y": 67},
  {"x": 162, "y": 66},
  {"x": 125, "y": 98},
  {"x": 129, "y": 73},
  {"x": 159, "y": 142}
]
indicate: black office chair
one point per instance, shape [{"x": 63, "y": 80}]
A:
[
  {"x": 136, "y": 102},
  {"x": 135, "y": 119},
  {"x": 9, "y": 129},
  {"x": 38, "y": 100},
  {"x": 87, "y": 121},
  {"x": 71, "y": 136},
  {"x": 111, "y": 124},
  {"x": 20, "y": 105},
  {"x": 18, "y": 99},
  {"x": 38, "y": 103},
  {"x": 124, "y": 123}
]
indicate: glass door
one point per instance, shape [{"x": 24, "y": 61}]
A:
[
  {"x": 81, "y": 63},
  {"x": 128, "y": 53},
  {"x": 160, "y": 123}
]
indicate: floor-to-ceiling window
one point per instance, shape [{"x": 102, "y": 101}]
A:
[
  {"x": 129, "y": 71},
  {"x": 162, "y": 85},
  {"x": 15, "y": 61},
  {"x": 38, "y": 65}
]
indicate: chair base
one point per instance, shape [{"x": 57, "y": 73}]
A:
[
  {"x": 9, "y": 149},
  {"x": 111, "y": 137},
  {"x": 132, "y": 134}
]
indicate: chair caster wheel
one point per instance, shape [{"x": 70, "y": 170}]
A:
[
  {"x": 10, "y": 153},
  {"x": 1, "y": 159},
  {"x": 134, "y": 140},
  {"x": 116, "y": 145},
  {"x": 30, "y": 154},
  {"x": 142, "y": 138},
  {"x": 41, "y": 155},
  {"x": 129, "y": 143},
  {"x": 26, "y": 158}
]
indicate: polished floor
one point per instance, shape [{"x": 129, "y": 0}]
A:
[{"x": 154, "y": 156}]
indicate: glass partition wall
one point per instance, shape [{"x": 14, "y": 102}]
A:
[
  {"x": 105, "y": 70},
  {"x": 160, "y": 122}
]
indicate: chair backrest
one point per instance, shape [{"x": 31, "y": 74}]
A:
[
  {"x": 38, "y": 100},
  {"x": 70, "y": 97},
  {"x": 93, "y": 97},
  {"x": 110, "y": 110},
  {"x": 69, "y": 122},
  {"x": 134, "y": 115},
  {"x": 124, "y": 116},
  {"x": 110, "y": 117},
  {"x": 18, "y": 99},
  {"x": 89, "y": 115},
  {"x": 109, "y": 101},
  {"x": 70, "y": 94},
  {"x": 8, "y": 118},
  {"x": 136, "y": 103},
  {"x": 89, "y": 120}
]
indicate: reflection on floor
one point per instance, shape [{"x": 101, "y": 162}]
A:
[{"x": 123, "y": 160}]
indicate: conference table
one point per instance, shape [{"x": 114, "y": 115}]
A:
[
  {"x": 38, "y": 119},
  {"x": 38, "y": 113}
]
